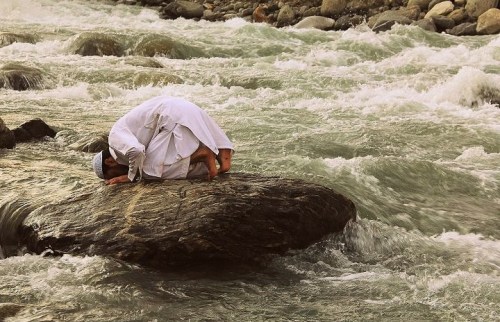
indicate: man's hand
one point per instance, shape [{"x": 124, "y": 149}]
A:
[{"x": 119, "y": 179}]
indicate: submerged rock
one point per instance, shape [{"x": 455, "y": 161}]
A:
[
  {"x": 8, "y": 38},
  {"x": 19, "y": 77},
  {"x": 159, "y": 45},
  {"x": 96, "y": 44},
  {"x": 234, "y": 219}
]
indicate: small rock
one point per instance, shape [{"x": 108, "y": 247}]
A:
[
  {"x": 388, "y": 18},
  {"x": 259, "y": 14},
  {"x": 443, "y": 23},
  {"x": 410, "y": 12},
  {"x": 459, "y": 15},
  {"x": 423, "y": 4},
  {"x": 475, "y": 8},
  {"x": 434, "y": 3},
  {"x": 286, "y": 16},
  {"x": 464, "y": 29},
  {"x": 440, "y": 9},
  {"x": 489, "y": 22},
  {"x": 331, "y": 8},
  {"x": 184, "y": 9},
  {"x": 348, "y": 21},
  {"x": 426, "y": 24}
]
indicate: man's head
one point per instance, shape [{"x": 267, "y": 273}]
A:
[{"x": 106, "y": 167}]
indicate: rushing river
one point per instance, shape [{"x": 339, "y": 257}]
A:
[{"x": 404, "y": 123}]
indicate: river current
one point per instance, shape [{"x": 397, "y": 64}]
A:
[{"x": 405, "y": 123}]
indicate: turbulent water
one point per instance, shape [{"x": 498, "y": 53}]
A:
[{"x": 404, "y": 123}]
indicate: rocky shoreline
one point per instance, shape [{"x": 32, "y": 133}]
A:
[{"x": 457, "y": 17}]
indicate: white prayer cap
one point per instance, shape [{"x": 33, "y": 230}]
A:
[{"x": 97, "y": 165}]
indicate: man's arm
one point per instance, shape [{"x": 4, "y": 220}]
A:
[{"x": 124, "y": 143}]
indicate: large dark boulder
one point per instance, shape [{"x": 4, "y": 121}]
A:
[
  {"x": 7, "y": 138},
  {"x": 234, "y": 219},
  {"x": 33, "y": 129}
]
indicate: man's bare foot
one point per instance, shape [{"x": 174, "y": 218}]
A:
[
  {"x": 205, "y": 155},
  {"x": 224, "y": 158}
]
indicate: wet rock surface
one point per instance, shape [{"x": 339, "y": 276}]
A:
[
  {"x": 234, "y": 219},
  {"x": 20, "y": 77},
  {"x": 7, "y": 138}
]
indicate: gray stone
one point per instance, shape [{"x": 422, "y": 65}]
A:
[
  {"x": 459, "y": 15},
  {"x": 181, "y": 8},
  {"x": 331, "y": 8},
  {"x": 234, "y": 219},
  {"x": 433, "y": 3},
  {"x": 348, "y": 21},
  {"x": 440, "y": 9},
  {"x": 423, "y": 4},
  {"x": 7, "y": 138},
  {"x": 443, "y": 23},
  {"x": 317, "y": 22},
  {"x": 410, "y": 12},
  {"x": 426, "y": 24},
  {"x": 475, "y": 8},
  {"x": 388, "y": 18},
  {"x": 286, "y": 16},
  {"x": 464, "y": 29},
  {"x": 362, "y": 6},
  {"x": 489, "y": 22}
]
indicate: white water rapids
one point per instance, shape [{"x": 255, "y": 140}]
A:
[{"x": 405, "y": 123}]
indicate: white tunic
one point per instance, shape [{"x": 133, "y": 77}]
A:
[{"x": 157, "y": 138}]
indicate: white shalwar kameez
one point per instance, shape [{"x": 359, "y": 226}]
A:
[{"x": 157, "y": 138}]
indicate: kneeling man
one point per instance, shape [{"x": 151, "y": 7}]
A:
[{"x": 164, "y": 138}]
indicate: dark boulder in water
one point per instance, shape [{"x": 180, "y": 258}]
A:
[
  {"x": 97, "y": 44},
  {"x": 7, "y": 138},
  {"x": 19, "y": 77},
  {"x": 234, "y": 219},
  {"x": 33, "y": 129}
]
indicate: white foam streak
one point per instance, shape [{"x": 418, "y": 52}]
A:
[
  {"x": 467, "y": 87},
  {"x": 482, "y": 249}
]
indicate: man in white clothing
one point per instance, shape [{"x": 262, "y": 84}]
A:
[{"x": 164, "y": 138}]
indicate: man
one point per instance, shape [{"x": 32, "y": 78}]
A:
[{"x": 164, "y": 138}]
